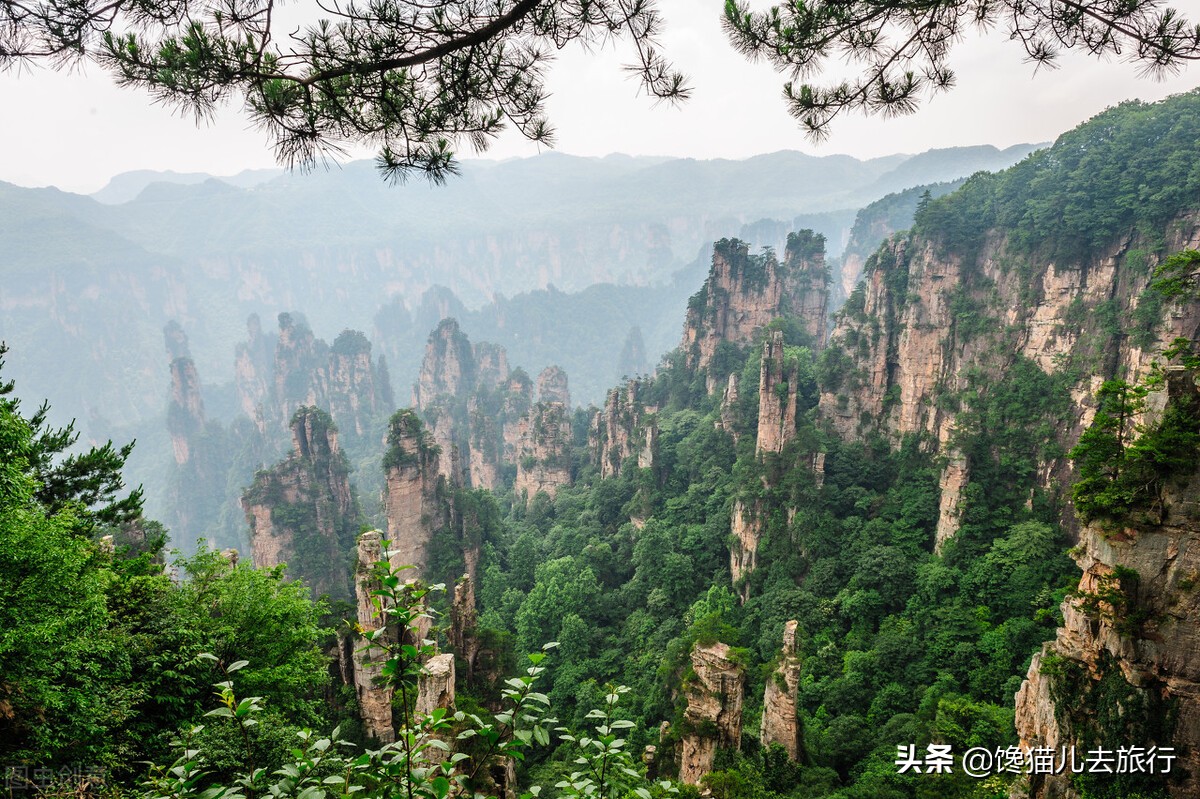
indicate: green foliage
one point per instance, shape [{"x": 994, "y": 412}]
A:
[
  {"x": 1131, "y": 167},
  {"x": 445, "y": 754},
  {"x": 1124, "y": 466},
  {"x": 407, "y": 441},
  {"x": 1103, "y": 707},
  {"x": 98, "y": 651},
  {"x": 609, "y": 767},
  {"x": 1176, "y": 278},
  {"x": 901, "y": 52}
]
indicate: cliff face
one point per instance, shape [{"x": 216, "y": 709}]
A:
[
  {"x": 253, "y": 368},
  {"x": 746, "y": 529},
  {"x": 714, "y": 710},
  {"x": 358, "y": 394},
  {"x": 185, "y": 410},
  {"x": 929, "y": 325},
  {"x": 374, "y": 694},
  {"x": 744, "y": 293},
  {"x": 553, "y": 387},
  {"x": 299, "y": 356},
  {"x": 483, "y": 417},
  {"x": 779, "y": 722},
  {"x": 729, "y": 401},
  {"x": 776, "y": 398},
  {"x": 303, "y": 512},
  {"x": 196, "y": 492},
  {"x": 306, "y": 372},
  {"x": 413, "y": 495},
  {"x": 448, "y": 367},
  {"x": 544, "y": 451},
  {"x": 1129, "y": 646},
  {"x": 626, "y": 428},
  {"x": 544, "y": 438}
]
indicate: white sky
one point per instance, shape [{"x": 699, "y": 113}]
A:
[{"x": 77, "y": 130}]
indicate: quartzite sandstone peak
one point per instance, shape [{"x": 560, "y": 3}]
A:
[
  {"x": 1131, "y": 634},
  {"x": 305, "y": 505},
  {"x": 744, "y": 292}
]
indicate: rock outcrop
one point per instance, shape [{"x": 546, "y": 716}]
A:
[
  {"x": 196, "y": 476},
  {"x": 435, "y": 685},
  {"x": 632, "y": 360},
  {"x": 303, "y": 512},
  {"x": 713, "y": 718},
  {"x": 482, "y": 415},
  {"x": 776, "y": 397},
  {"x": 727, "y": 421},
  {"x": 544, "y": 451},
  {"x": 463, "y": 623},
  {"x": 744, "y": 293},
  {"x": 626, "y": 428},
  {"x": 927, "y": 323},
  {"x": 185, "y": 409},
  {"x": 358, "y": 394},
  {"x": 253, "y": 371},
  {"x": 746, "y": 527},
  {"x": 779, "y": 721},
  {"x": 413, "y": 493},
  {"x": 553, "y": 387},
  {"x": 374, "y": 694},
  {"x": 448, "y": 367},
  {"x": 447, "y": 377},
  {"x": 299, "y": 358},
  {"x": 1129, "y": 647},
  {"x": 544, "y": 438},
  {"x": 306, "y": 372}
]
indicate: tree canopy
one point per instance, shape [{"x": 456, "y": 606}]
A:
[{"x": 903, "y": 46}]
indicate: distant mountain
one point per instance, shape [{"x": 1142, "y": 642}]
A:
[
  {"x": 557, "y": 257},
  {"x": 126, "y": 186},
  {"x": 945, "y": 165}
]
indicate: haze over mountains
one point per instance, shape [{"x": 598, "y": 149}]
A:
[{"x": 558, "y": 258}]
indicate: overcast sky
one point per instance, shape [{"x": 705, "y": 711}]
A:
[{"x": 75, "y": 131}]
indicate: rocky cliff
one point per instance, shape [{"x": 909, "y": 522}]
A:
[
  {"x": 931, "y": 332},
  {"x": 305, "y": 371},
  {"x": 984, "y": 336},
  {"x": 483, "y": 417},
  {"x": 253, "y": 372},
  {"x": 374, "y": 693},
  {"x": 780, "y": 724},
  {"x": 625, "y": 429},
  {"x": 435, "y": 686},
  {"x": 713, "y": 718},
  {"x": 1124, "y": 668},
  {"x": 777, "y": 385},
  {"x": 197, "y": 500},
  {"x": 745, "y": 292},
  {"x": 448, "y": 367},
  {"x": 414, "y": 495},
  {"x": 302, "y": 511},
  {"x": 185, "y": 409},
  {"x": 746, "y": 527},
  {"x": 544, "y": 438},
  {"x": 543, "y": 454},
  {"x": 359, "y": 393}
]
